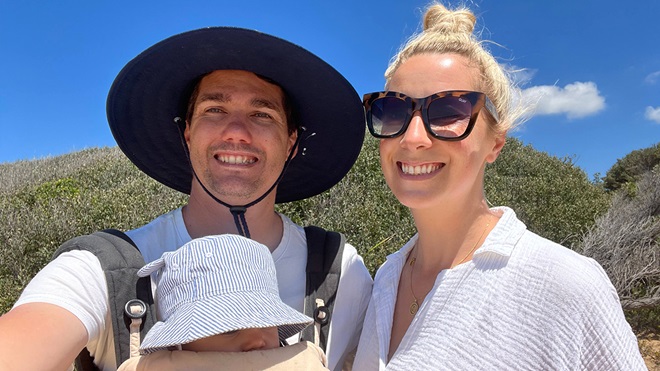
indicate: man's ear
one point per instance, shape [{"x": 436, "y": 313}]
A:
[
  {"x": 186, "y": 133},
  {"x": 500, "y": 140},
  {"x": 292, "y": 141}
]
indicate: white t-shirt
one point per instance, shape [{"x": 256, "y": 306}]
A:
[
  {"x": 75, "y": 282},
  {"x": 522, "y": 303}
]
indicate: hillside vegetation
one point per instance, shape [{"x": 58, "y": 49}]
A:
[{"x": 48, "y": 201}]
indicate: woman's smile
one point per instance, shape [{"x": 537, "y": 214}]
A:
[{"x": 419, "y": 169}]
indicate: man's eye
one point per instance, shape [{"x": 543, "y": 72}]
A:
[
  {"x": 263, "y": 115},
  {"x": 213, "y": 110}
]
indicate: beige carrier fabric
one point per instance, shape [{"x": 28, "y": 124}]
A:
[{"x": 303, "y": 356}]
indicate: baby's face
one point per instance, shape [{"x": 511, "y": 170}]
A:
[{"x": 237, "y": 341}]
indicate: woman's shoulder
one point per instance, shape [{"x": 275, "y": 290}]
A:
[
  {"x": 561, "y": 258},
  {"x": 566, "y": 273}
]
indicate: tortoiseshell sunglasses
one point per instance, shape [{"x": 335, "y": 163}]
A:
[{"x": 447, "y": 115}]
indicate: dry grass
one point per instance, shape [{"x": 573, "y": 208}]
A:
[{"x": 649, "y": 345}]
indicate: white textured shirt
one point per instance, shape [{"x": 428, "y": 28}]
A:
[{"x": 522, "y": 303}]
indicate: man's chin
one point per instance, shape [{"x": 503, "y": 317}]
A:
[
  {"x": 234, "y": 190},
  {"x": 237, "y": 194}
]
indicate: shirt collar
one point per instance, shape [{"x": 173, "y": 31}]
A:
[
  {"x": 501, "y": 240},
  {"x": 504, "y": 237}
]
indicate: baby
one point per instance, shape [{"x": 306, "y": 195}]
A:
[{"x": 218, "y": 297}]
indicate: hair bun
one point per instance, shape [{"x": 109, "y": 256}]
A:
[{"x": 440, "y": 19}]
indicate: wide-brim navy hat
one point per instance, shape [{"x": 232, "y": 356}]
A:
[{"x": 153, "y": 89}]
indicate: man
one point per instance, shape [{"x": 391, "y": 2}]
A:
[{"x": 240, "y": 120}]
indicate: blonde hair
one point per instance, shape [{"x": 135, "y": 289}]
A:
[{"x": 451, "y": 31}]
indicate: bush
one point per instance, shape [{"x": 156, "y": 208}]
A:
[
  {"x": 626, "y": 242},
  {"x": 628, "y": 169},
  {"x": 553, "y": 197},
  {"x": 46, "y": 202}
]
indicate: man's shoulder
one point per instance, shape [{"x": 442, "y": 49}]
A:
[
  {"x": 351, "y": 260},
  {"x": 165, "y": 233},
  {"x": 161, "y": 221}
]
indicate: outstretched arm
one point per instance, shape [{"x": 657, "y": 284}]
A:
[
  {"x": 40, "y": 336},
  {"x": 63, "y": 305}
]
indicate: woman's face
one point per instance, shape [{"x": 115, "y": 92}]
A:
[{"x": 423, "y": 171}]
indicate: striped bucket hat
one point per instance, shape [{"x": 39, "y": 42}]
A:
[{"x": 213, "y": 285}]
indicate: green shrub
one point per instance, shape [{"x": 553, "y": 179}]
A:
[
  {"x": 633, "y": 165},
  {"x": 80, "y": 193},
  {"x": 553, "y": 197},
  {"x": 644, "y": 319}
]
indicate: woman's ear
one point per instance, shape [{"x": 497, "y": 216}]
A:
[{"x": 500, "y": 139}]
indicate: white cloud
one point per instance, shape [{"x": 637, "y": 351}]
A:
[
  {"x": 520, "y": 76},
  {"x": 652, "y": 78},
  {"x": 652, "y": 114},
  {"x": 576, "y": 100}
]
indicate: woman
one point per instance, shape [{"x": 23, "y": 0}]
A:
[{"x": 473, "y": 289}]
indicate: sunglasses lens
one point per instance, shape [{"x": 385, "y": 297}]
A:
[
  {"x": 449, "y": 116},
  {"x": 388, "y": 116}
]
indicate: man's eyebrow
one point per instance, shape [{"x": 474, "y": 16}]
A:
[
  {"x": 214, "y": 97},
  {"x": 265, "y": 103},
  {"x": 226, "y": 98}
]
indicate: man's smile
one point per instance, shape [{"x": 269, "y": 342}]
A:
[{"x": 236, "y": 159}]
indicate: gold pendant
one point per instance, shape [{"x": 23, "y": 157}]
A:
[{"x": 414, "y": 307}]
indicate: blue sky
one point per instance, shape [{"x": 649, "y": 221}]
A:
[{"x": 594, "y": 64}]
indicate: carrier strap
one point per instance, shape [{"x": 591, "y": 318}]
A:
[
  {"x": 120, "y": 260},
  {"x": 324, "y": 255}
]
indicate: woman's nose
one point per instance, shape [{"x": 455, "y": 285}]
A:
[{"x": 416, "y": 136}]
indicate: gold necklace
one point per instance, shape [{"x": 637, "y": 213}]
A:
[{"x": 414, "y": 306}]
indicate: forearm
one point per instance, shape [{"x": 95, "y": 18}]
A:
[{"x": 39, "y": 336}]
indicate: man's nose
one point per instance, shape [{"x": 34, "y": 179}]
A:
[{"x": 237, "y": 129}]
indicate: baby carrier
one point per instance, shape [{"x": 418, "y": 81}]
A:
[{"x": 132, "y": 304}]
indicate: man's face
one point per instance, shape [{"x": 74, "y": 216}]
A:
[{"x": 237, "y": 135}]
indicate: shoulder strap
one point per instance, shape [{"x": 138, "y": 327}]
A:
[
  {"x": 324, "y": 254},
  {"x": 120, "y": 260}
]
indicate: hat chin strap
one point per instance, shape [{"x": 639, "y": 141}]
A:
[{"x": 238, "y": 211}]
